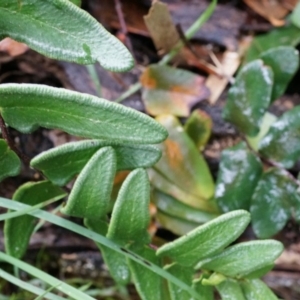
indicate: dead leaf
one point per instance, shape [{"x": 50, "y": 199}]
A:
[
  {"x": 161, "y": 27},
  {"x": 12, "y": 47},
  {"x": 216, "y": 84},
  {"x": 167, "y": 90},
  {"x": 272, "y": 10}
]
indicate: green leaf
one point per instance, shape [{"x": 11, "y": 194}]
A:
[
  {"x": 25, "y": 107},
  {"x": 206, "y": 292},
  {"x": 238, "y": 175},
  {"x": 130, "y": 217},
  {"x": 272, "y": 202},
  {"x": 249, "y": 97},
  {"x": 288, "y": 35},
  {"x": 60, "y": 30},
  {"x": 183, "y": 273},
  {"x": 63, "y": 287},
  {"x": 176, "y": 225},
  {"x": 244, "y": 258},
  {"x": 281, "y": 143},
  {"x": 10, "y": 164},
  {"x": 148, "y": 284},
  {"x": 175, "y": 208},
  {"x": 115, "y": 262},
  {"x": 198, "y": 126},
  {"x": 284, "y": 61},
  {"x": 257, "y": 290},
  {"x": 167, "y": 90},
  {"x": 295, "y": 17},
  {"x": 267, "y": 121},
  {"x": 91, "y": 192},
  {"x": 76, "y": 2},
  {"x": 230, "y": 290},
  {"x": 17, "y": 231},
  {"x": 182, "y": 169},
  {"x": 206, "y": 240},
  {"x": 62, "y": 163},
  {"x": 113, "y": 246},
  {"x": 260, "y": 272}
]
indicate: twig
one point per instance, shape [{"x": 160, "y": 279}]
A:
[
  {"x": 168, "y": 57},
  {"x": 124, "y": 30},
  {"x": 10, "y": 142},
  {"x": 205, "y": 65}
]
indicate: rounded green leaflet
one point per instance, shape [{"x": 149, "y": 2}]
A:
[
  {"x": 249, "y": 97},
  {"x": 242, "y": 259},
  {"x": 17, "y": 231},
  {"x": 62, "y": 163},
  {"x": 91, "y": 192},
  {"x": 257, "y": 290},
  {"x": 61, "y": 30},
  {"x": 130, "y": 216},
  {"x": 25, "y": 107},
  {"x": 207, "y": 239},
  {"x": 272, "y": 202},
  {"x": 238, "y": 175},
  {"x": 281, "y": 143},
  {"x": 284, "y": 61},
  {"x": 10, "y": 164}
]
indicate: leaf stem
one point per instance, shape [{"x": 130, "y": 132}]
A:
[{"x": 168, "y": 57}]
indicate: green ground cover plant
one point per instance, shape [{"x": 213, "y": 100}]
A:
[{"x": 116, "y": 138}]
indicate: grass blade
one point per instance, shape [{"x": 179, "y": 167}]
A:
[{"x": 99, "y": 239}]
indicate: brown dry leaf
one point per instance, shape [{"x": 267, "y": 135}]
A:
[
  {"x": 12, "y": 47},
  {"x": 167, "y": 90},
  {"x": 272, "y": 10},
  {"x": 161, "y": 27},
  {"x": 216, "y": 84}
]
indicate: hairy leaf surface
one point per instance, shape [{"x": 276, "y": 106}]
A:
[
  {"x": 207, "y": 239},
  {"x": 25, "y": 107},
  {"x": 91, "y": 192},
  {"x": 130, "y": 217},
  {"x": 61, "y": 30},
  {"x": 62, "y": 163},
  {"x": 244, "y": 258}
]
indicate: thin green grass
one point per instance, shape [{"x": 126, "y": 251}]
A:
[
  {"x": 91, "y": 235},
  {"x": 29, "y": 287}
]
